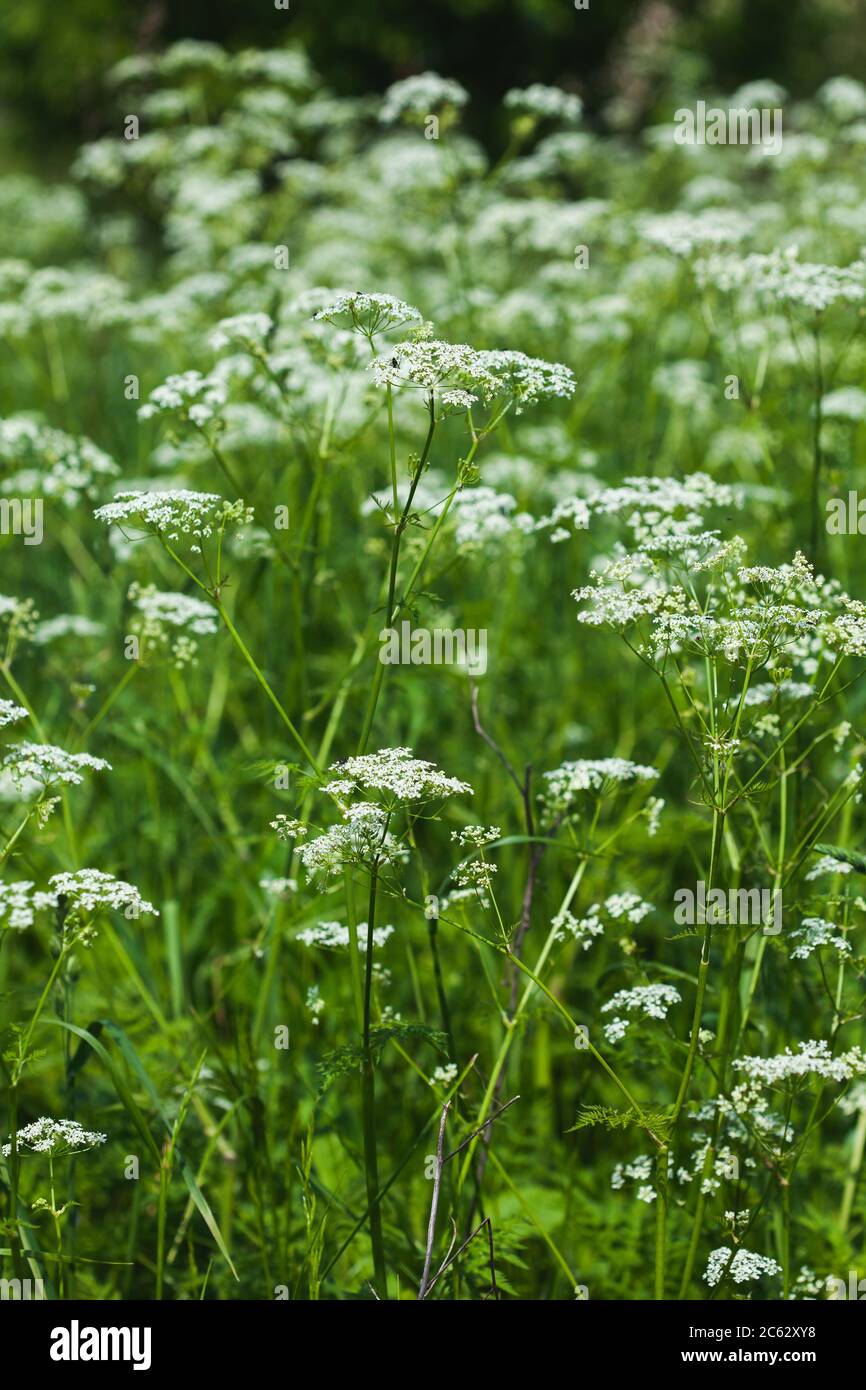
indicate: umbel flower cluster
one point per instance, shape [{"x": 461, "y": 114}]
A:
[
  {"x": 46, "y": 765},
  {"x": 54, "y": 1137},
  {"x": 394, "y": 776},
  {"x": 376, "y": 378},
  {"x": 82, "y": 894}
]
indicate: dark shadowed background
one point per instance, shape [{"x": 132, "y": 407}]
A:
[{"x": 53, "y": 57}]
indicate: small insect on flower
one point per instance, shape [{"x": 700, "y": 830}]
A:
[
  {"x": 369, "y": 313},
  {"x": 10, "y": 713}
]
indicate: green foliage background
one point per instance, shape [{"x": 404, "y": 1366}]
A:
[
  {"x": 118, "y": 278},
  {"x": 53, "y": 57}
]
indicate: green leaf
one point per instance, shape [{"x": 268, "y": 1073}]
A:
[
  {"x": 339, "y": 1062},
  {"x": 132, "y": 1059},
  {"x": 607, "y": 1117},
  {"x": 847, "y": 856},
  {"x": 757, "y": 788},
  {"x": 343, "y": 1060}
]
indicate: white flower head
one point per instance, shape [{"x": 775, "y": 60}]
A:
[
  {"x": 46, "y": 764},
  {"x": 361, "y": 838},
  {"x": 88, "y": 891},
  {"x": 420, "y": 96},
  {"x": 782, "y": 276},
  {"x": 791, "y": 1070},
  {"x": 546, "y": 103},
  {"x": 335, "y": 936},
  {"x": 176, "y": 610},
  {"x": 369, "y": 313},
  {"x": 46, "y": 462},
  {"x": 189, "y": 396},
  {"x": 10, "y": 713},
  {"x": 476, "y": 836},
  {"x": 395, "y": 775},
  {"x": 19, "y": 905},
  {"x": 742, "y": 1268},
  {"x": 454, "y": 372},
  {"x": 651, "y": 1001},
  {"x": 598, "y": 776},
  {"x": 170, "y": 622},
  {"x": 54, "y": 1137},
  {"x": 815, "y": 933},
  {"x": 176, "y": 513},
  {"x": 828, "y": 864},
  {"x": 247, "y": 331},
  {"x": 76, "y": 625}
]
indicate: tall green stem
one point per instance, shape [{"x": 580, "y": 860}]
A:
[{"x": 368, "y": 1097}]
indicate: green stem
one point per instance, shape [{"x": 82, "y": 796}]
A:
[
  {"x": 853, "y": 1173},
  {"x": 249, "y": 659},
  {"x": 162, "y": 1211},
  {"x": 368, "y": 1098},
  {"x": 61, "y": 1282}
]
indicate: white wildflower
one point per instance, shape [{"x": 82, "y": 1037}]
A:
[
  {"x": 19, "y": 905},
  {"x": 174, "y": 513},
  {"x": 596, "y": 775},
  {"x": 548, "y": 103},
  {"x": 278, "y": 887},
  {"x": 812, "y": 1059},
  {"x": 55, "y": 1137},
  {"x": 445, "y": 1075},
  {"x": 174, "y": 609},
  {"x": 46, "y": 764},
  {"x": 370, "y": 313},
  {"x": 10, "y": 713},
  {"x": 476, "y": 836},
  {"x": 396, "y": 775},
  {"x": 362, "y": 838},
  {"x": 315, "y": 1004},
  {"x": 814, "y": 933},
  {"x": 187, "y": 395},
  {"x": 335, "y": 935},
  {"x": 247, "y": 331},
  {"x": 652, "y": 1001},
  {"x": 92, "y": 890},
  {"x": 66, "y": 625},
  {"x": 742, "y": 1268},
  {"x": 421, "y": 96},
  {"x": 828, "y": 864}
]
